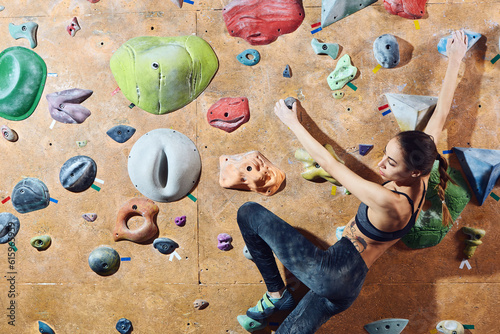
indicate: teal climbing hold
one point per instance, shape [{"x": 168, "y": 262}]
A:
[
  {"x": 482, "y": 169},
  {"x": 429, "y": 230},
  {"x": 334, "y": 10},
  {"x": 343, "y": 73},
  {"x": 250, "y": 324},
  {"x": 249, "y": 57},
  {"x": 26, "y": 30},
  {"x": 22, "y": 79},
  {"x": 44, "y": 328},
  {"x": 331, "y": 49}
]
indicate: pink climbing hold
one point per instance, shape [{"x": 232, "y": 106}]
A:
[
  {"x": 224, "y": 242},
  {"x": 261, "y": 22},
  {"x": 409, "y": 9},
  {"x": 180, "y": 221},
  {"x": 94, "y": 1},
  {"x": 73, "y": 27}
]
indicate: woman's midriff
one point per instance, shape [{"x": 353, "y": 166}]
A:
[{"x": 370, "y": 250}]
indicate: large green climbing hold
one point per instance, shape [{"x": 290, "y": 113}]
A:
[
  {"x": 313, "y": 170},
  {"x": 429, "y": 230},
  {"x": 163, "y": 74},
  {"x": 343, "y": 73},
  {"x": 334, "y": 10},
  {"x": 22, "y": 79}
]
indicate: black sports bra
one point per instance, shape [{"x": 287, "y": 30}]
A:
[{"x": 367, "y": 228}]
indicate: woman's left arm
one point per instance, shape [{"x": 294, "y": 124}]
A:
[{"x": 372, "y": 194}]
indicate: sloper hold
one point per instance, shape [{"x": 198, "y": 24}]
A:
[
  {"x": 331, "y": 49},
  {"x": 9, "y": 226},
  {"x": 472, "y": 38},
  {"x": 121, "y": 133},
  {"x": 229, "y": 113},
  {"x": 30, "y": 194},
  {"x": 343, "y": 73},
  {"x": 179, "y": 3},
  {"x": 44, "y": 328},
  {"x": 261, "y": 22},
  {"x": 482, "y": 169},
  {"x": 411, "y": 111},
  {"x": 26, "y": 30},
  {"x": 22, "y": 74},
  {"x": 334, "y": 10},
  {"x": 65, "y": 106},
  {"x": 450, "y": 327},
  {"x": 409, "y": 9},
  {"x": 387, "y": 326},
  {"x": 165, "y": 245},
  {"x": 104, "y": 261},
  {"x": 78, "y": 173},
  {"x": 386, "y": 50}
]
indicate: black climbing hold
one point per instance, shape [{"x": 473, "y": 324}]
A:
[
  {"x": 289, "y": 101},
  {"x": 165, "y": 245},
  {"x": 78, "y": 173},
  {"x": 30, "y": 194},
  {"x": 121, "y": 133}
]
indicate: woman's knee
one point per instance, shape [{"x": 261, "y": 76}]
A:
[{"x": 246, "y": 210}]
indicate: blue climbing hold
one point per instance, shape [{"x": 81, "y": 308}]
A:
[
  {"x": 287, "y": 73},
  {"x": 44, "y": 328},
  {"x": 482, "y": 169},
  {"x": 121, "y": 133},
  {"x": 472, "y": 38},
  {"x": 364, "y": 149},
  {"x": 124, "y": 326},
  {"x": 249, "y": 57}
]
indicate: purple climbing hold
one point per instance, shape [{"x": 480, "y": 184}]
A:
[
  {"x": 90, "y": 217},
  {"x": 364, "y": 149},
  {"x": 224, "y": 242},
  {"x": 180, "y": 221}
]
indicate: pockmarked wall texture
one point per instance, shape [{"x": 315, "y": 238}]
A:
[{"x": 156, "y": 291}]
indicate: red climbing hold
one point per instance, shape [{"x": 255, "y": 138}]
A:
[
  {"x": 409, "y": 9},
  {"x": 229, "y": 113},
  {"x": 261, "y": 22}
]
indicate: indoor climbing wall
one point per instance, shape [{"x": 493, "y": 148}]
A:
[{"x": 157, "y": 291}]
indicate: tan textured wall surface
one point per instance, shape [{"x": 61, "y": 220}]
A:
[{"x": 57, "y": 285}]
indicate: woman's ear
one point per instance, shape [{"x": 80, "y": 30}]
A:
[{"x": 416, "y": 173}]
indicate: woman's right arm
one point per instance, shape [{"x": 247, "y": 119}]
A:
[{"x": 456, "y": 48}]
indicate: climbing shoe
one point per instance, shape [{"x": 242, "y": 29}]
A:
[{"x": 268, "y": 305}]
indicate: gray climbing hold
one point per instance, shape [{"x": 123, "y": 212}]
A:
[
  {"x": 249, "y": 57},
  {"x": 247, "y": 254},
  {"x": 386, "y": 51},
  {"x": 44, "y": 328},
  {"x": 104, "y": 261},
  {"x": 343, "y": 73},
  {"x": 9, "y": 226},
  {"x": 165, "y": 245},
  {"x": 287, "y": 73},
  {"x": 331, "y": 49},
  {"x": 124, "y": 326},
  {"x": 30, "y": 194},
  {"x": 9, "y": 134},
  {"x": 2, "y": 8},
  {"x": 387, "y": 326},
  {"x": 411, "y": 111},
  {"x": 90, "y": 217},
  {"x": 64, "y": 106},
  {"x": 289, "y": 101},
  {"x": 472, "y": 38},
  {"x": 78, "y": 173},
  {"x": 121, "y": 133},
  {"x": 334, "y": 10},
  {"x": 26, "y": 30}
]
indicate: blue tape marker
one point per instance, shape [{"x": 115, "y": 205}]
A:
[
  {"x": 127, "y": 258},
  {"x": 189, "y": 2},
  {"x": 386, "y": 112},
  {"x": 448, "y": 152},
  {"x": 54, "y": 200},
  {"x": 316, "y": 30}
]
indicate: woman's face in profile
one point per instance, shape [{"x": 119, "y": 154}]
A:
[{"x": 392, "y": 166}]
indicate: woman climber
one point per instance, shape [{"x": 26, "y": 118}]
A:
[{"x": 387, "y": 212}]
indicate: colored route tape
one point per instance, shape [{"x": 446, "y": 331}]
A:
[
  {"x": 115, "y": 91},
  {"x": 494, "y": 60},
  {"x": 191, "y": 197},
  {"x": 189, "y": 2},
  {"x": 54, "y": 200},
  {"x": 386, "y": 112},
  {"x": 334, "y": 190},
  {"x": 417, "y": 24},
  {"x": 316, "y": 30},
  {"x": 315, "y": 25},
  {"x": 98, "y": 180},
  {"x": 383, "y": 107},
  {"x": 5, "y": 200},
  {"x": 127, "y": 258},
  {"x": 52, "y": 124},
  {"x": 433, "y": 331},
  {"x": 468, "y": 326},
  {"x": 131, "y": 105},
  {"x": 378, "y": 67},
  {"x": 448, "y": 152},
  {"x": 52, "y": 74},
  {"x": 11, "y": 244},
  {"x": 350, "y": 85},
  {"x": 95, "y": 187},
  {"x": 495, "y": 196}
]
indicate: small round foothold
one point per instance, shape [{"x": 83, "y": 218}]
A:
[
  {"x": 338, "y": 94},
  {"x": 9, "y": 134},
  {"x": 104, "y": 261},
  {"x": 165, "y": 245},
  {"x": 247, "y": 253},
  {"x": 41, "y": 242},
  {"x": 200, "y": 304},
  {"x": 90, "y": 217},
  {"x": 249, "y": 57},
  {"x": 289, "y": 101},
  {"x": 180, "y": 221},
  {"x": 224, "y": 242},
  {"x": 124, "y": 326}
]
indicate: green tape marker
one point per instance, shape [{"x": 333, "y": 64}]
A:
[
  {"x": 494, "y": 60},
  {"x": 468, "y": 326},
  {"x": 95, "y": 187},
  {"x": 350, "y": 85},
  {"x": 11, "y": 244},
  {"x": 191, "y": 197},
  {"x": 495, "y": 196}
]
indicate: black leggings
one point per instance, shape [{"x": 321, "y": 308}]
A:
[{"x": 334, "y": 276}]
